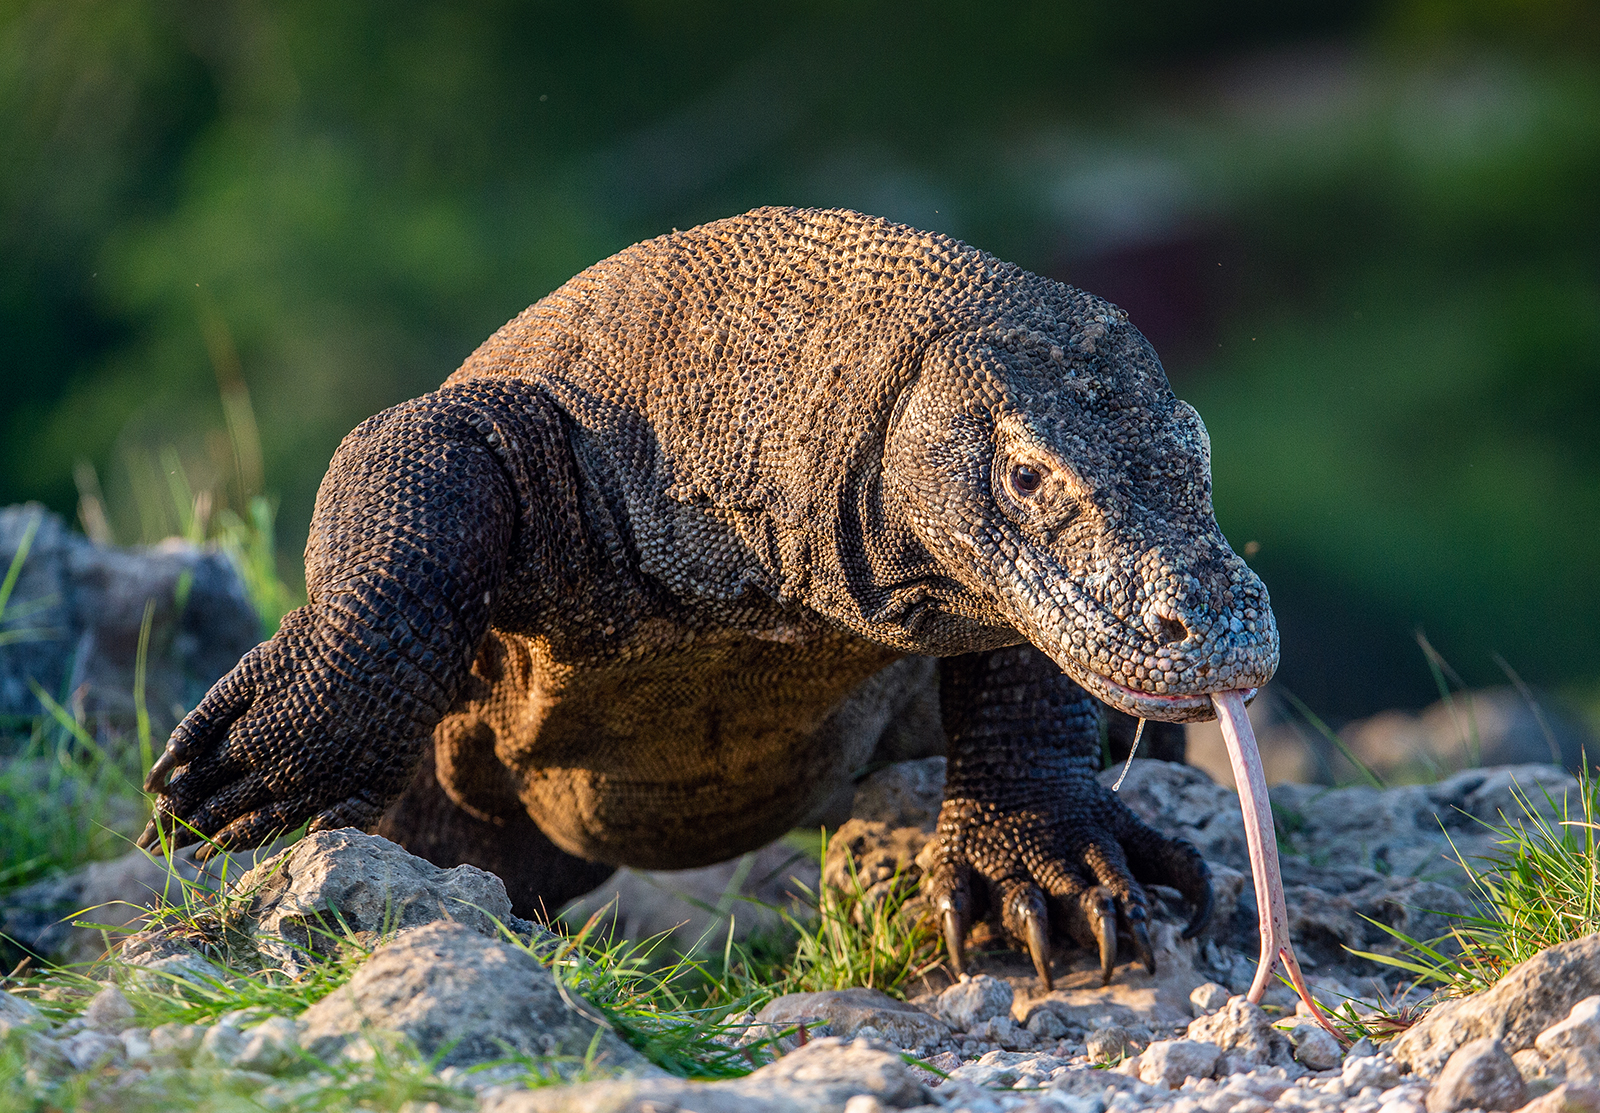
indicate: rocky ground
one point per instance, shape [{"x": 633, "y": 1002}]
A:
[
  {"x": 445, "y": 1000},
  {"x": 499, "y": 1026}
]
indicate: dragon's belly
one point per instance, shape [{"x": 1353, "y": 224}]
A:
[{"x": 681, "y": 756}]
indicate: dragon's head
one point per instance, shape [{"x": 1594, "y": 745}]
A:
[{"x": 1051, "y": 471}]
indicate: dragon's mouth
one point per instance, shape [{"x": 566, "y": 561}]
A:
[{"x": 1184, "y": 707}]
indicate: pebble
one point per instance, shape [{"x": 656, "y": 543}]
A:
[
  {"x": 1207, "y": 999},
  {"x": 1169, "y": 1062},
  {"x": 220, "y": 1046},
  {"x": 271, "y": 1046},
  {"x": 1314, "y": 1047},
  {"x": 108, "y": 1011},
  {"x": 1110, "y": 1043},
  {"x": 175, "y": 1044},
  {"x": 1479, "y": 1075},
  {"x": 973, "y": 1000}
]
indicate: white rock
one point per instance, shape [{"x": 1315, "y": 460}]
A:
[
  {"x": 1533, "y": 996},
  {"x": 824, "y": 1074},
  {"x": 1245, "y": 1035},
  {"x": 1169, "y": 1062},
  {"x": 108, "y": 1011},
  {"x": 1479, "y": 1075},
  {"x": 1208, "y": 998},
  {"x": 271, "y": 1046},
  {"x": 331, "y": 883},
  {"x": 846, "y": 1012},
  {"x": 973, "y": 1000},
  {"x": 220, "y": 1046},
  {"x": 16, "y": 1012},
  {"x": 1044, "y": 1024},
  {"x": 1378, "y": 1071},
  {"x": 136, "y": 1046},
  {"x": 176, "y": 1043},
  {"x": 1314, "y": 1047},
  {"x": 89, "y": 1049},
  {"x": 466, "y": 998},
  {"x": 1581, "y": 1028}
]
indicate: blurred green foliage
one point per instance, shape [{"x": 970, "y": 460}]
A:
[{"x": 1364, "y": 236}]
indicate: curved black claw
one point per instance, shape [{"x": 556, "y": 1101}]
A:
[
  {"x": 1038, "y": 940},
  {"x": 1103, "y": 919},
  {"x": 954, "y": 938},
  {"x": 176, "y": 754},
  {"x": 1140, "y": 930}
]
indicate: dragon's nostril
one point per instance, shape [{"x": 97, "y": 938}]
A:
[{"x": 1170, "y": 630}]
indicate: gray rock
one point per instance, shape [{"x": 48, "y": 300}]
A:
[
  {"x": 1530, "y": 998},
  {"x": 973, "y": 1000},
  {"x": 220, "y": 1046},
  {"x": 1566, "y": 1098},
  {"x": 847, "y": 1011},
  {"x": 1314, "y": 1047},
  {"x": 1208, "y": 998},
  {"x": 1361, "y": 1071},
  {"x": 1580, "y": 1028},
  {"x": 1479, "y": 1075},
  {"x": 16, "y": 1012},
  {"x": 1008, "y": 1069},
  {"x": 821, "y": 1077},
  {"x": 906, "y": 794},
  {"x": 1570, "y": 1048},
  {"x": 875, "y": 855},
  {"x": 1044, "y": 1024},
  {"x": 340, "y": 884},
  {"x": 1006, "y": 1032},
  {"x": 271, "y": 1047},
  {"x": 121, "y": 891},
  {"x": 176, "y": 1044},
  {"x": 108, "y": 1011},
  {"x": 1243, "y": 1031},
  {"x": 136, "y": 1046},
  {"x": 84, "y": 604},
  {"x": 1107, "y": 1044},
  {"x": 458, "y": 994},
  {"x": 1168, "y": 1062},
  {"x": 88, "y": 1049}
]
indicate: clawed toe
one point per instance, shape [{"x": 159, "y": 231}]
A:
[
  {"x": 954, "y": 939},
  {"x": 1140, "y": 930},
  {"x": 1102, "y": 911},
  {"x": 1038, "y": 941}
]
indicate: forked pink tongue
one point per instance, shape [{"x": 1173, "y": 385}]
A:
[{"x": 1258, "y": 833}]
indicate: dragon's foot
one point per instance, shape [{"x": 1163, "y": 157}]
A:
[{"x": 1073, "y": 872}]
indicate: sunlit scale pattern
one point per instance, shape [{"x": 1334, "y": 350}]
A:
[{"x": 627, "y": 567}]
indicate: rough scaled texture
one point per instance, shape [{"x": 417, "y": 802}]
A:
[{"x": 642, "y": 579}]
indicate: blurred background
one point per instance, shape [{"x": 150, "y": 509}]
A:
[{"x": 1365, "y": 238}]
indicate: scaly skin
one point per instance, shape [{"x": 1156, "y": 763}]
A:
[{"x": 641, "y": 560}]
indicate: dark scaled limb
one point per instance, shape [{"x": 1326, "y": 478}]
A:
[
  {"x": 413, "y": 528},
  {"x": 1028, "y": 830}
]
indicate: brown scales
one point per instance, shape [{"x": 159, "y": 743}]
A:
[{"x": 652, "y": 571}]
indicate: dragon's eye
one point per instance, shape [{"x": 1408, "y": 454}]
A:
[{"x": 1026, "y": 479}]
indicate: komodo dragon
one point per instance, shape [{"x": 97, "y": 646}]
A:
[{"x": 630, "y": 567}]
